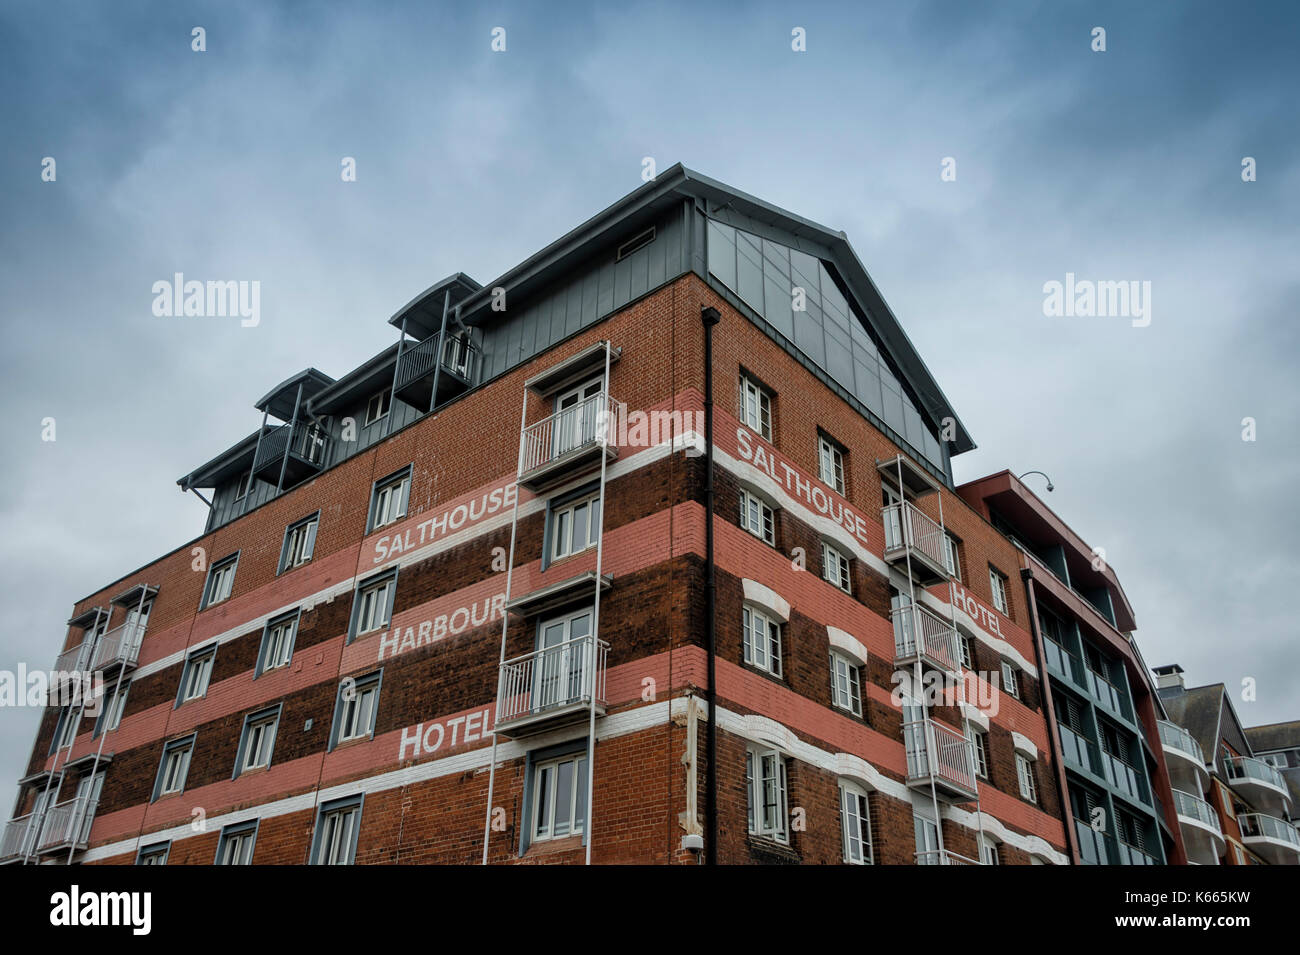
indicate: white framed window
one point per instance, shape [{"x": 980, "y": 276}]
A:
[
  {"x": 998, "y": 586},
  {"x": 337, "y": 826},
  {"x": 196, "y": 674},
  {"x": 389, "y": 499},
  {"x": 835, "y": 568},
  {"x": 235, "y": 846},
  {"x": 980, "y": 746},
  {"x": 967, "y": 651},
  {"x": 1025, "y": 776},
  {"x": 66, "y": 731},
  {"x": 762, "y": 641},
  {"x": 111, "y": 710},
  {"x": 1276, "y": 760},
  {"x": 830, "y": 463},
  {"x": 950, "y": 559},
  {"x": 373, "y": 605},
  {"x": 755, "y": 407},
  {"x": 354, "y": 712},
  {"x": 1010, "y": 679},
  {"x": 757, "y": 517},
  {"x": 155, "y": 854},
  {"x": 221, "y": 580},
  {"x": 175, "y": 767},
  {"x": 855, "y": 824},
  {"x": 379, "y": 405},
  {"x": 258, "y": 740},
  {"x": 846, "y": 685},
  {"x": 299, "y": 542},
  {"x": 277, "y": 642},
  {"x": 575, "y": 527},
  {"x": 766, "y": 788},
  {"x": 559, "y": 797},
  {"x": 990, "y": 854},
  {"x": 242, "y": 485}
]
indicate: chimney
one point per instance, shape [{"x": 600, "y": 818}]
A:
[{"x": 1169, "y": 675}]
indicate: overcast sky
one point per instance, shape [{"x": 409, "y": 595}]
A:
[{"x": 225, "y": 164}]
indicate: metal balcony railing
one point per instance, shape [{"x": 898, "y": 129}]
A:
[
  {"x": 67, "y": 825},
  {"x": 544, "y": 681},
  {"x": 943, "y": 857},
  {"x": 938, "y": 753},
  {"x": 120, "y": 646},
  {"x": 587, "y": 423},
  {"x": 75, "y": 660},
  {"x": 460, "y": 357},
  {"x": 310, "y": 444},
  {"x": 1247, "y": 768},
  {"x": 1185, "y": 804},
  {"x": 1173, "y": 736},
  {"x": 919, "y": 632},
  {"x": 906, "y": 527},
  {"x": 1261, "y": 825},
  {"x": 18, "y": 841}
]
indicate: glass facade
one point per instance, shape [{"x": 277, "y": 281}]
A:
[{"x": 796, "y": 294}]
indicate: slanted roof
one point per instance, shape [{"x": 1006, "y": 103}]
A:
[
  {"x": 1274, "y": 736},
  {"x": 369, "y": 378},
  {"x": 721, "y": 201},
  {"x": 423, "y": 314},
  {"x": 235, "y": 459},
  {"x": 1197, "y": 710},
  {"x": 279, "y": 401}
]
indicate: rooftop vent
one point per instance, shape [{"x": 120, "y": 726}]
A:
[{"x": 635, "y": 243}]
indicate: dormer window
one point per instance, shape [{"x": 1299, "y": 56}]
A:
[{"x": 379, "y": 406}]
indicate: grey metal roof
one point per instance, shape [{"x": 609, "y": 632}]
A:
[
  {"x": 423, "y": 314},
  {"x": 235, "y": 459},
  {"x": 279, "y": 400},
  {"x": 370, "y": 377}
]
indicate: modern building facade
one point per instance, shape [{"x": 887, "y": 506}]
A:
[
  {"x": 462, "y": 603},
  {"x": 1238, "y": 808},
  {"x": 1278, "y": 744},
  {"x": 1117, "y": 752}
]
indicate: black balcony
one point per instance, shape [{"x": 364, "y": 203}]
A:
[
  {"x": 419, "y": 366},
  {"x": 307, "y": 449}
]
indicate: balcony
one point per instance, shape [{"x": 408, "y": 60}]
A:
[
  {"x": 1105, "y": 692},
  {"x": 67, "y": 825},
  {"x": 1259, "y": 783},
  {"x": 1273, "y": 838},
  {"x": 308, "y": 448},
  {"x": 1095, "y": 848},
  {"x": 1201, "y": 832},
  {"x": 18, "y": 841},
  {"x": 1076, "y": 748},
  {"x": 938, "y": 755},
  {"x": 72, "y": 662},
  {"x": 567, "y": 443},
  {"x": 419, "y": 365},
  {"x": 1132, "y": 855},
  {"x": 1122, "y": 776},
  {"x": 119, "y": 647},
  {"x": 922, "y": 635},
  {"x": 551, "y": 687},
  {"x": 943, "y": 857},
  {"x": 915, "y": 538},
  {"x": 1183, "y": 757}
]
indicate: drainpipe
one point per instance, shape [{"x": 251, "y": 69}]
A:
[
  {"x": 1053, "y": 739},
  {"x": 710, "y": 317}
]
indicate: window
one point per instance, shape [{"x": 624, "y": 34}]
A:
[
  {"x": 559, "y": 797},
  {"x": 155, "y": 854},
  {"x": 197, "y": 673},
  {"x": 755, "y": 407},
  {"x": 354, "y": 711},
  {"x": 277, "y": 642},
  {"x": 174, "y": 767},
  {"x": 846, "y": 687},
  {"x": 299, "y": 541},
  {"x": 65, "y": 731},
  {"x": 379, "y": 406},
  {"x": 337, "y": 825},
  {"x": 389, "y": 498},
  {"x": 855, "y": 824},
  {"x": 765, "y": 785},
  {"x": 989, "y": 852},
  {"x": 756, "y": 517},
  {"x": 257, "y": 740},
  {"x": 762, "y": 641},
  {"x": 998, "y": 585},
  {"x": 235, "y": 847},
  {"x": 980, "y": 746},
  {"x": 967, "y": 651},
  {"x": 110, "y": 711},
  {"x": 575, "y": 527},
  {"x": 1025, "y": 774},
  {"x": 950, "y": 557},
  {"x": 242, "y": 485},
  {"x": 1010, "y": 679},
  {"x": 835, "y": 568},
  {"x": 1276, "y": 760},
  {"x": 927, "y": 841},
  {"x": 372, "y": 607},
  {"x": 221, "y": 579},
  {"x": 830, "y": 463}
]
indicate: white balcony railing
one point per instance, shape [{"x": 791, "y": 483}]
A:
[
  {"x": 921, "y": 632},
  {"x": 943, "y": 857},
  {"x": 587, "y": 423},
  {"x": 18, "y": 840},
  {"x": 121, "y": 645},
  {"x": 75, "y": 660},
  {"x": 906, "y": 527},
  {"x": 1174, "y": 736},
  {"x": 934, "y": 751},
  {"x": 1193, "y": 807},
  {"x": 551, "y": 679},
  {"x": 67, "y": 824},
  {"x": 1257, "y": 825},
  {"x": 1248, "y": 769}
]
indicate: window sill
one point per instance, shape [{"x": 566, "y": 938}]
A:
[
  {"x": 774, "y": 850},
  {"x": 551, "y": 847}
]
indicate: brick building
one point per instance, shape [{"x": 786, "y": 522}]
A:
[{"x": 424, "y": 584}]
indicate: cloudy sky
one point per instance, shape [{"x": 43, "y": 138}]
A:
[{"x": 1122, "y": 165}]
